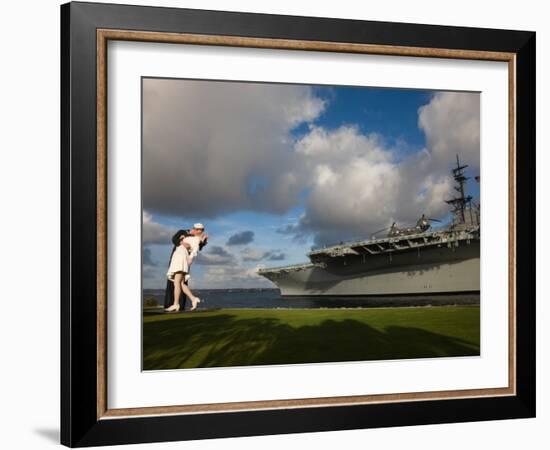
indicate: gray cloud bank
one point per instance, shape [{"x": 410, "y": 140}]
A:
[
  {"x": 215, "y": 147},
  {"x": 241, "y": 238},
  {"x": 147, "y": 258},
  {"x": 154, "y": 232},
  {"x": 215, "y": 256},
  {"x": 249, "y": 254}
]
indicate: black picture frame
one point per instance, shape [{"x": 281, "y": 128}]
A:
[{"x": 80, "y": 425}]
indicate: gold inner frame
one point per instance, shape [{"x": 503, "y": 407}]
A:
[{"x": 103, "y": 36}]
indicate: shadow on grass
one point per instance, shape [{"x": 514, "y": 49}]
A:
[{"x": 222, "y": 341}]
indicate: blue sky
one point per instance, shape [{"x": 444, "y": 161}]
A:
[
  {"x": 291, "y": 167},
  {"x": 389, "y": 112}
]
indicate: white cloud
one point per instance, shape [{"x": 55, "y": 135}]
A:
[
  {"x": 451, "y": 124},
  {"x": 433, "y": 190},
  {"x": 364, "y": 187},
  {"x": 341, "y": 145},
  {"x": 359, "y": 185}
]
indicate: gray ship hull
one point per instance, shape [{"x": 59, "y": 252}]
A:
[{"x": 435, "y": 270}]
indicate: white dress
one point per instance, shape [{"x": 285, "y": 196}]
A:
[
  {"x": 194, "y": 242},
  {"x": 179, "y": 262},
  {"x": 182, "y": 258}
]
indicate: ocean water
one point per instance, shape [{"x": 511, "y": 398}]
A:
[{"x": 271, "y": 298}]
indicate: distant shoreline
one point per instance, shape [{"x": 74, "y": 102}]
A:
[
  {"x": 218, "y": 289},
  {"x": 272, "y": 299}
]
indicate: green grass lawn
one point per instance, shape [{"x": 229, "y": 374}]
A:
[{"x": 242, "y": 337}]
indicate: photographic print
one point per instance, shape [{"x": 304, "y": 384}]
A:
[{"x": 300, "y": 224}]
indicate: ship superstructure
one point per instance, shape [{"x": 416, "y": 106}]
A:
[{"x": 408, "y": 260}]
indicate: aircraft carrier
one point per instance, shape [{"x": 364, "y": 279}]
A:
[{"x": 416, "y": 260}]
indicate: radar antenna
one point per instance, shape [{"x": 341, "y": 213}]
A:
[{"x": 461, "y": 202}]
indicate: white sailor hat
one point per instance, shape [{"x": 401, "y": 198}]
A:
[{"x": 198, "y": 226}]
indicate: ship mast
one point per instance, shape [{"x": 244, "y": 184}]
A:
[{"x": 461, "y": 202}]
